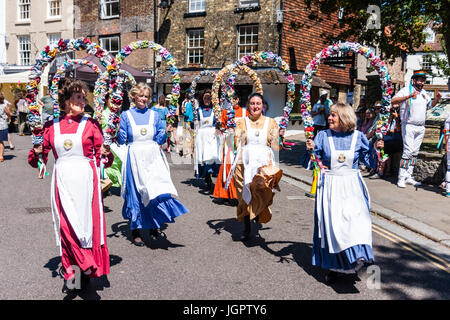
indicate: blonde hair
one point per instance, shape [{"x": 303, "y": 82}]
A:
[
  {"x": 346, "y": 114},
  {"x": 139, "y": 87}
]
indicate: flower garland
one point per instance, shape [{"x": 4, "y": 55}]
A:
[
  {"x": 191, "y": 90},
  {"x": 46, "y": 57},
  {"x": 59, "y": 73},
  {"x": 228, "y": 100},
  {"x": 102, "y": 88},
  {"x": 168, "y": 58},
  {"x": 263, "y": 56},
  {"x": 375, "y": 61}
]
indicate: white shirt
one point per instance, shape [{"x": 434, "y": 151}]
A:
[
  {"x": 413, "y": 111},
  {"x": 319, "y": 119}
]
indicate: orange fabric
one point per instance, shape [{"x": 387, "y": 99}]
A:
[{"x": 238, "y": 113}]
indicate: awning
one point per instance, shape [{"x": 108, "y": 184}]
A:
[
  {"x": 269, "y": 75},
  {"x": 21, "y": 77},
  {"x": 85, "y": 73}
]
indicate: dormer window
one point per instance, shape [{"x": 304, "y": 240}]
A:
[{"x": 429, "y": 35}]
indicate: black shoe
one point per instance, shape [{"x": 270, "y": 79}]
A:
[
  {"x": 331, "y": 277},
  {"x": 137, "y": 240},
  {"x": 154, "y": 234},
  {"x": 245, "y": 237}
]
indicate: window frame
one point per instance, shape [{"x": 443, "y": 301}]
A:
[
  {"x": 251, "y": 4},
  {"x": 21, "y": 59},
  {"x": 102, "y": 5},
  {"x": 20, "y": 5},
  {"x": 49, "y": 9},
  {"x": 239, "y": 44},
  {"x": 196, "y": 1},
  {"x": 56, "y": 34},
  {"x": 430, "y": 35},
  {"x": 200, "y": 48},
  {"x": 109, "y": 37}
]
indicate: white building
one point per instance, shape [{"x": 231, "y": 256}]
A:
[
  {"x": 2, "y": 35},
  {"x": 420, "y": 60}
]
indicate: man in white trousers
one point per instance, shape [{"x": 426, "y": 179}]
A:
[{"x": 414, "y": 102}]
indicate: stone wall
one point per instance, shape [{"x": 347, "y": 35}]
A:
[
  {"x": 220, "y": 23},
  {"x": 430, "y": 168},
  {"x": 132, "y": 14}
]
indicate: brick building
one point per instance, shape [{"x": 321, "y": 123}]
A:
[
  {"x": 302, "y": 39},
  {"x": 207, "y": 34},
  {"x": 114, "y": 24}
]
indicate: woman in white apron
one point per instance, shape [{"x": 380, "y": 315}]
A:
[
  {"x": 207, "y": 143},
  {"x": 342, "y": 226},
  {"x": 228, "y": 149},
  {"x": 256, "y": 174},
  {"x": 78, "y": 216},
  {"x": 146, "y": 186}
]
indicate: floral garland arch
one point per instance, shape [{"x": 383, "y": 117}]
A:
[
  {"x": 375, "y": 61},
  {"x": 229, "y": 91},
  {"x": 168, "y": 58},
  {"x": 117, "y": 88},
  {"x": 265, "y": 56},
  {"x": 46, "y": 57},
  {"x": 193, "y": 86},
  {"x": 102, "y": 88},
  {"x": 61, "y": 70}
]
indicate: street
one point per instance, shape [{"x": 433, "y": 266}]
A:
[{"x": 200, "y": 258}]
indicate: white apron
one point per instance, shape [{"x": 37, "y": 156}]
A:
[
  {"x": 148, "y": 163},
  {"x": 227, "y": 150},
  {"x": 255, "y": 154},
  {"x": 343, "y": 202},
  {"x": 73, "y": 175},
  {"x": 207, "y": 144}
]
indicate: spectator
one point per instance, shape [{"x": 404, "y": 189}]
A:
[
  {"x": 22, "y": 107},
  {"x": 319, "y": 112},
  {"x": 4, "y": 118}
]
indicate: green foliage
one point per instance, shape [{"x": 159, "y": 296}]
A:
[{"x": 402, "y": 23}]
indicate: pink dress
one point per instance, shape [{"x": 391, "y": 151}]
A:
[{"x": 81, "y": 232}]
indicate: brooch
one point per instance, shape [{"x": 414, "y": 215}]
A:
[
  {"x": 341, "y": 158},
  {"x": 68, "y": 144},
  {"x": 143, "y": 131}
]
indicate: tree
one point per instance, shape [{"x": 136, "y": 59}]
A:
[{"x": 402, "y": 22}]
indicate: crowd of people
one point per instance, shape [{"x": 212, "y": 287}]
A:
[{"x": 241, "y": 157}]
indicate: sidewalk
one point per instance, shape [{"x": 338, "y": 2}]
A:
[{"x": 423, "y": 210}]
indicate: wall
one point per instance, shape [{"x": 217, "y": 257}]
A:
[
  {"x": 220, "y": 30},
  {"x": 304, "y": 35},
  {"x": 132, "y": 13},
  {"x": 37, "y": 27}
]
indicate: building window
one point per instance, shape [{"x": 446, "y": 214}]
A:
[
  {"x": 429, "y": 35},
  {"x": 248, "y": 3},
  {"x": 24, "y": 9},
  {"x": 109, "y": 9},
  {"x": 247, "y": 40},
  {"x": 197, "y": 6},
  {"x": 24, "y": 50},
  {"x": 195, "y": 46},
  {"x": 53, "y": 39},
  {"x": 110, "y": 44},
  {"x": 426, "y": 62},
  {"x": 54, "y": 8}
]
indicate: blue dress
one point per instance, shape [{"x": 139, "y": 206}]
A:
[
  {"x": 162, "y": 112},
  {"x": 162, "y": 209},
  {"x": 347, "y": 259},
  {"x": 204, "y": 169}
]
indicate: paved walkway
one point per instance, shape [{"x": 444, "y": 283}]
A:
[{"x": 424, "y": 210}]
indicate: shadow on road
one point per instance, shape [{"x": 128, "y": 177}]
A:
[
  {"x": 298, "y": 252},
  {"x": 96, "y": 284},
  {"x": 122, "y": 229}
]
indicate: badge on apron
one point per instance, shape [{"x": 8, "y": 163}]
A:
[
  {"x": 341, "y": 158},
  {"x": 257, "y": 133},
  {"x": 68, "y": 144},
  {"x": 143, "y": 131},
  {"x": 206, "y": 122}
]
